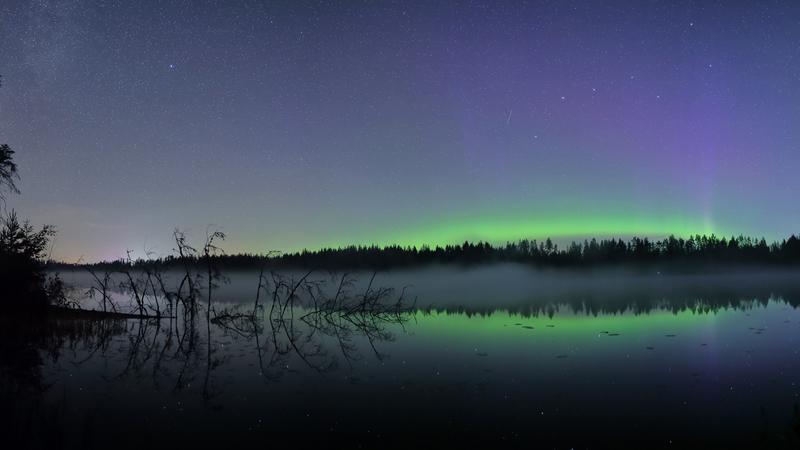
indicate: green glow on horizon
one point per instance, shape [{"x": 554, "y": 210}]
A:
[{"x": 501, "y": 230}]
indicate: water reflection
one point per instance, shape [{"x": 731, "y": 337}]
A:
[
  {"x": 310, "y": 361},
  {"x": 27, "y": 344}
]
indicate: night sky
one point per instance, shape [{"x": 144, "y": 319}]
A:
[{"x": 304, "y": 124}]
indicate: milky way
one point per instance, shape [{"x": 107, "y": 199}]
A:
[{"x": 301, "y": 124}]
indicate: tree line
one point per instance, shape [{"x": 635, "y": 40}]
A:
[{"x": 691, "y": 251}]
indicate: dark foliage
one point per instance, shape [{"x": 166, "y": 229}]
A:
[
  {"x": 695, "y": 251},
  {"x": 8, "y": 170},
  {"x": 23, "y": 282}
]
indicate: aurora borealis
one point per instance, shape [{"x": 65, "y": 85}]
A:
[{"x": 298, "y": 124}]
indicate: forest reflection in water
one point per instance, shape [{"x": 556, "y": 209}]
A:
[{"x": 376, "y": 368}]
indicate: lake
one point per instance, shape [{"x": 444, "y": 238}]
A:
[{"x": 499, "y": 356}]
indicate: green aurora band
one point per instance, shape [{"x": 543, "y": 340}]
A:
[{"x": 562, "y": 229}]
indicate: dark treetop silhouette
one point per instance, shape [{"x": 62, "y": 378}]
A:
[
  {"x": 23, "y": 281},
  {"x": 695, "y": 252},
  {"x": 8, "y": 171}
]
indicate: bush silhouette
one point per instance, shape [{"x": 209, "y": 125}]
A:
[{"x": 23, "y": 282}]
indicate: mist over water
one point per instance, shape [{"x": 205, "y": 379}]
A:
[
  {"x": 488, "y": 354},
  {"x": 522, "y": 288},
  {"x": 588, "y": 209}
]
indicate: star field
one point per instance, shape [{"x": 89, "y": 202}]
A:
[{"x": 297, "y": 124}]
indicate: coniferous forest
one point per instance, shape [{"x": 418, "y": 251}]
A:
[
  {"x": 694, "y": 252},
  {"x": 323, "y": 224}
]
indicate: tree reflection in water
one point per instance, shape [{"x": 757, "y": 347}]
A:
[{"x": 292, "y": 320}]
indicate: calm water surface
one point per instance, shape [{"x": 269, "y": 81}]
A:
[{"x": 502, "y": 356}]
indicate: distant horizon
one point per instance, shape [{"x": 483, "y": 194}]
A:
[
  {"x": 311, "y": 124},
  {"x": 444, "y": 232},
  {"x": 561, "y": 242},
  {"x": 359, "y": 224},
  {"x": 456, "y": 230}
]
